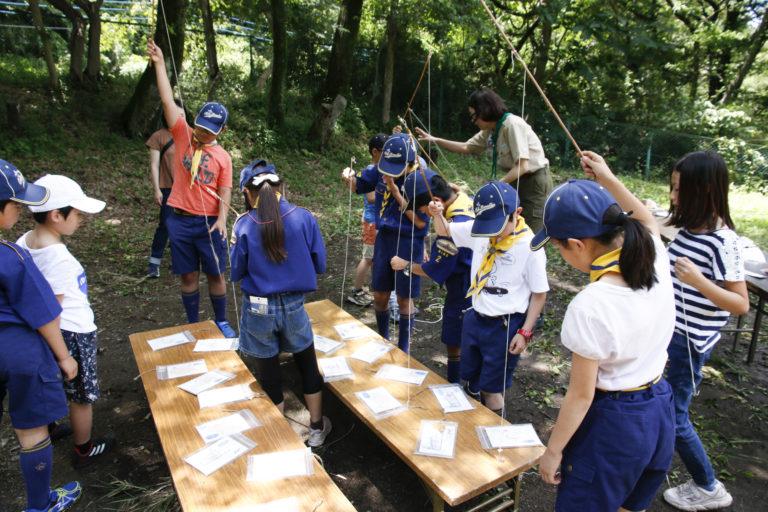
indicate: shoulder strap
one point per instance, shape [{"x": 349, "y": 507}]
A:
[{"x": 165, "y": 148}]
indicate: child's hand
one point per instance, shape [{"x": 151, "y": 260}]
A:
[
  {"x": 389, "y": 181},
  {"x": 348, "y": 173},
  {"x": 435, "y": 209},
  {"x": 517, "y": 345},
  {"x": 398, "y": 263},
  {"x": 594, "y": 166},
  {"x": 221, "y": 226},
  {"x": 688, "y": 273},
  {"x": 158, "y": 197},
  {"x": 154, "y": 52},
  {"x": 68, "y": 368},
  {"x": 549, "y": 465},
  {"x": 397, "y": 129}
]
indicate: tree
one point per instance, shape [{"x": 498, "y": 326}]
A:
[
  {"x": 53, "y": 75},
  {"x": 76, "y": 41},
  {"x": 393, "y": 29},
  {"x": 92, "y": 9},
  {"x": 214, "y": 74},
  {"x": 756, "y": 43}
]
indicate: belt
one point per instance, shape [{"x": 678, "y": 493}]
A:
[
  {"x": 179, "y": 211},
  {"x": 647, "y": 385}
]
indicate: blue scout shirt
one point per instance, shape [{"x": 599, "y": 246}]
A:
[
  {"x": 26, "y": 297},
  {"x": 387, "y": 210},
  {"x": 303, "y": 245}
]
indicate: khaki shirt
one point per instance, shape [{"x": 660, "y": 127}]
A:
[{"x": 516, "y": 140}]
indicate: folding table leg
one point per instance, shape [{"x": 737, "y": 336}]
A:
[{"x": 756, "y": 329}]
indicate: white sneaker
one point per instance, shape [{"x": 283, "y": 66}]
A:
[
  {"x": 690, "y": 496},
  {"x": 317, "y": 436}
]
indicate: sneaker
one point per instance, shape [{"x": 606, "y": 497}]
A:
[
  {"x": 690, "y": 496},
  {"x": 360, "y": 298},
  {"x": 61, "y": 498},
  {"x": 59, "y": 430},
  {"x": 317, "y": 437},
  {"x": 153, "y": 270},
  {"x": 226, "y": 330},
  {"x": 99, "y": 446}
]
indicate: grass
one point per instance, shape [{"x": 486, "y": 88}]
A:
[{"x": 124, "y": 496}]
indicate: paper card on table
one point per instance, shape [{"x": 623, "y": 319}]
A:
[
  {"x": 451, "y": 398},
  {"x": 206, "y": 381},
  {"x": 371, "y": 351},
  {"x": 172, "y": 340},
  {"x": 283, "y": 505},
  {"x": 380, "y": 402},
  {"x": 217, "y": 344},
  {"x": 402, "y": 374},
  {"x": 351, "y": 331},
  {"x": 234, "y": 423},
  {"x": 227, "y": 395},
  {"x": 508, "y": 436},
  {"x": 278, "y": 465},
  {"x": 218, "y": 454},
  {"x": 174, "y": 371},
  {"x": 437, "y": 438},
  {"x": 335, "y": 368},
  {"x": 326, "y": 345}
]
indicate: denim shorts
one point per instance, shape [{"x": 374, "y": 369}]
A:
[
  {"x": 283, "y": 327},
  {"x": 83, "y": 389}
]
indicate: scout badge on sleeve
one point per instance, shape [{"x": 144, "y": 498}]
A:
[{"x": 447, "y": 246}]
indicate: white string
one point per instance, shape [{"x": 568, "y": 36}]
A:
[
  {"x": 694, "y": 390},
  {"x": 346, "y": 248}
]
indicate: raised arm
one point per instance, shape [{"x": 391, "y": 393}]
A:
[{"x": 170, "y": 110}]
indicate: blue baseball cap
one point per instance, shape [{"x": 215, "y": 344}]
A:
[
  {"x": 13, "y": 186},
  {"x": 416, "y": 179},
  {"x": 575, "y": 209},
  {"x": 493, "y": 204},
  {"x": 213, "y": 117},
  {"x": 253, "y": 170},
  {"x": 398, "y": 151}
]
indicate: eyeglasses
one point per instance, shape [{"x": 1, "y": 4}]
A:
[{"x": 473, "y": 117}]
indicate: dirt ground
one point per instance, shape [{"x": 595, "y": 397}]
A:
[{"x": 730, "y": 412}]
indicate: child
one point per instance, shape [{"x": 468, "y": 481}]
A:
[
  {"x": 614, "y": 436},
  {"x": 31, "y": 352},
  {"x": 400, "y": 233},
  {"x": 709, "y": 284},
  {"x": 277, "y": 250},
  {"x": 508, "y": 289},
  {"x": 197, "y": 238},
  {"x": 369, "y": 223},
  {"x": 161, "y": 158},
  {"x": 446, "y": 265},
  {"x": 62, "y": 215}
]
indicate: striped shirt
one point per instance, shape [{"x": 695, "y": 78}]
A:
[{"x": 718, "y": 256}]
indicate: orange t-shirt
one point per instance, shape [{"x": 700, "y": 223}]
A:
[{"x": 215, "y": 172}]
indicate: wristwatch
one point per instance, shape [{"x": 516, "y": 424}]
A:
[{"x": 407, "y": 269}]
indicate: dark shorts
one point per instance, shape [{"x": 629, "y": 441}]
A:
[
  {"x": 533, "y": 192},
  {"x": 191, "y": 245},
  {"x": 384, "y": 278},
  {"x": 284, "y": 327},
  {"x": 453, "y": 321},
  {"x": 485, "y": 348},
  {"x": 31, "y": 377},
  {"x": 83, "y": 389},
  {"x": 621, "y": 452}
]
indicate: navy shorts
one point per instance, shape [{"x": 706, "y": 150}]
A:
[
  {"x": 191, "y": 245},
  {"x": 485, "y": 348},
  {"x": 453, "y": 320},
  {"x": 31, "y": 377},
  {"x": 621, "y": 452},
  {"x": 384, "y": 278},
  {"x": 83, "y": 389},
  {"x": 284, "y": 327}
]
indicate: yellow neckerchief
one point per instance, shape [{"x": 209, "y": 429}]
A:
[
  {"x": 608, "y": 262},
  {"x": 196, "y": 158},
  {"x": 256, "y": 203},
  {"x": 462, "y": 205},
  {"x": 496, "y": 247}
]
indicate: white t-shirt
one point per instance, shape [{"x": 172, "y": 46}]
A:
[
  {"x": 515, "y": 274},
  {"x": 66, "y": 277},
  {"x": 626, "y": 330}
]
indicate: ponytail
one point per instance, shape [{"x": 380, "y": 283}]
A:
[
  {"x": 272, "y": 232},
  {"x": 638, "y": 253}
]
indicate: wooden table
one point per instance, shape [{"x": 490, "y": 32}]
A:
[
  {"x": 473, "y": 470},
  {"x": 176, "y": 413}
]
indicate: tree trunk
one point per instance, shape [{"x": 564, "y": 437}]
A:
[
  {"x": 76, "y": 41},
  {"x": 93, "y": 65},
  {"x": 339, "y": 69},
  {"x": 542, "y": 52},
  {"x": 389, "y": 64},
  {"x": 13, "y": 117},
  {"x": 275, "y": 108},
  {"x": 214, "y": 75},
  {"x": 53, "y": 75},
  {"x": 695, "y": 71},
  {"x": 145, "y": 103},
  {"x": 756, "y": 43}
]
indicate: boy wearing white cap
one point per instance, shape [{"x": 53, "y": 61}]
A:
[{"x": 61, "y": 215}]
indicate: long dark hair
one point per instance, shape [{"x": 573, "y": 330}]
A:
[
  {"x": 487, "y": 104},
  {"x": 272, "y": 231},
  {"x": 703, "y": 195}
]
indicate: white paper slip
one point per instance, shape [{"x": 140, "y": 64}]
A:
[
  {"x": 174, "y": 371},
  {"x": 283, "y": 505},
  {"x": 380, "y": 402},
  {"x": 437, "y": 438},
  {"x": 451, "y": 398},
  {"x": 402, "y": 374},
  {"x": 371, "y": 351},
  {"x": 217, "y": 344},
  {"x": 227, "y": 395},
  {"x": 180, "y": 338},
  {"x": 351, "y": 330},
  {"x": 508, "y": 436},
  {"x": 335, "y": 368},
  {"x": 216, "y": 455},
  {"x": 277, "y": 465},
  {"x": 326, "y": 345},
  {"x": 234, "y": 423},
  {"x": 206, "y": 381}
]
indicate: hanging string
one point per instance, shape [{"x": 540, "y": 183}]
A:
[{"x": 346, "y": 247}]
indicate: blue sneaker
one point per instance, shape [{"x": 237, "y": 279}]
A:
[
  {"x": 226, "y": 330},
  {"x": 61, "y": 499},
  {"x": 153, "y": 270}
]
